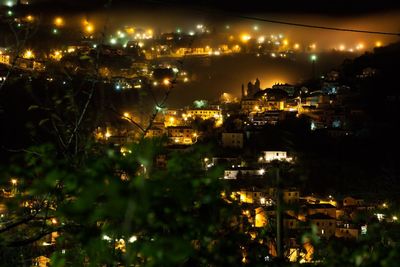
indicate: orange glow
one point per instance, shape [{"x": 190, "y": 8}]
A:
[
  {"x": 59, "y": 21},
  {"x": 360, "y": 46},
  {"x": 29, "y": 18},
  {"x": 245, "y": 38},
  {"x": 166, "y": 81},
  {"x": 130, "y": 30},
  {"x": 88, "y": 27},
  {"x": 28, "y": 54}
]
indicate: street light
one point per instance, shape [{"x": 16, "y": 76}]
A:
[
  {"x": 14, "y": 181},
  {"x": 313, "y": 58},
  {"x": 59, "y": 21},
  {"x": 14, "y": 189},
  {"x": 89, "y": 28},
  {"x": 166, "y": 81}
]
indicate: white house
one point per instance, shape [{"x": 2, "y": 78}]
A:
[{"x": 268, "y": 156}]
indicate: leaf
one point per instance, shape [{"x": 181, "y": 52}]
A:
[
  {"x": 43, "y": 121},
  {"x": 55, "y": 116},
  {"x": 33, "y": 107}
]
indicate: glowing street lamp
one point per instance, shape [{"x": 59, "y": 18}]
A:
[
  {"x": 313, "y": 58},
  {"x": 58, "y": 22},
  {"x": 28, "y": 54},
  {"x": 29, "y": 18},
  {"x": 166, "y": 81},
  {"x": 14, "y": 183},
  {"x": 261, "y": 39},
  {"x": 10, "y": 3},
  {"x": 245, "y": 37},
  {"x": 89, "y": 28},
  {"x": 378, "y": 44},
  {"x": 113, "y": 41}
]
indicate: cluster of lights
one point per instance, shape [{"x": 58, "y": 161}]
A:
[
  {"x": 245, "y": 37},
  {"x": 28, "y": 54},
  {"x": 56, "y": 55},
  {"x": 88, "y": 27},
  {"x": 358, "y": 47}
]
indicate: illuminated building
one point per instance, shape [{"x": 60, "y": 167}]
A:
[
  {"x": 155, "y": 132},
  {"x": 182, "y": 135},
  {"x": 242, "y": 172},
  {"x": 367, "y": 73},
  {"x": 326, "y": 225},
  {"x": 347, "y": 231},
  {"x": 204, "y": 114},
  {"x": 268, "y": 156},
  {"x": 271, "y": 117},
  {"x": 254, "y": 196},
  {"x": 272, "y": 99},
  {"x": 248, "y": 105},
  {"x": 260, "y": 218},
  {"x": 4, "y": 59},
  {"x": 351, "y": 201}
]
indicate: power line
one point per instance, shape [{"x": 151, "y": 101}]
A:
[
  {"x": 282, "y": 22},
  {"x": 316, "y": 26}
]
